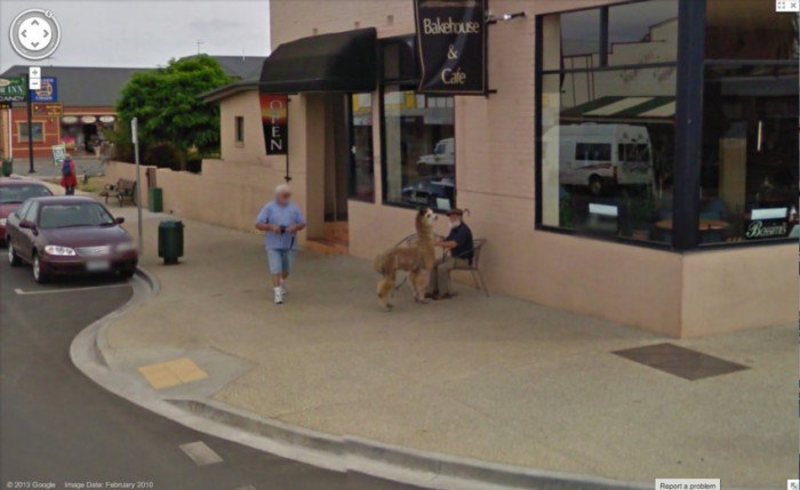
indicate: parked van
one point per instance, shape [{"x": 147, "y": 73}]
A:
[
  {"x": 602, "y": 155},
  {"x": 444, "y": 153}
]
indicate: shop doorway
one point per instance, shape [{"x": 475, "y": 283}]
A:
[{"x": 334, "y": 164}]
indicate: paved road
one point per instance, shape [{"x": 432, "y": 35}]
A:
[{"x": 58, "y": 426}]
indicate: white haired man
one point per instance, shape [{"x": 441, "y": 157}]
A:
[{"x": 281, "y": 219}]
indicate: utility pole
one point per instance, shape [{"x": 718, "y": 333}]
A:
[
  {"x": 199, "y": 43},
  {"x": 29, "y": 104},
  {"x": 135, "y": 140}
]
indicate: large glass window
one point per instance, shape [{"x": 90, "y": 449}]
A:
[
  {"x": 749, "y": 30},
  {"x": 419, "y": 149},
  {"x": 749, "y": 166},
  {"x": 608, "y": 134},
  {"x": 362, "y": 174}
]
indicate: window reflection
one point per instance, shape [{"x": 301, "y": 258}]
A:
[
  {"x": 362, "y": 170},
  {"x": 750, "y": 160},
  {"x": 420, "y": 149},
  {"x": 747, "y": 29}
]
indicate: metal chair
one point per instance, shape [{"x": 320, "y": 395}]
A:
[{"x": 474, "y": 266}]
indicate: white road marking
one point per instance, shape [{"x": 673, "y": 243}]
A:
[
  {"x": 200, "y": 453},
  {"x": 71, "y": 290}
]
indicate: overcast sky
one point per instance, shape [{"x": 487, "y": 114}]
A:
[{"x": 134, "y": 33}]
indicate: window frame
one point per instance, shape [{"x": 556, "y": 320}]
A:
[
  {"x": 690, "y": 64},
  {"x": 403, "y": 86}
]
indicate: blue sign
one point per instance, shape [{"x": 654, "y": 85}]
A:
[{"x": 48, "y": 92}]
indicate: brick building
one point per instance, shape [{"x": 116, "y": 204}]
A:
[{"x": 635, "y": 161}]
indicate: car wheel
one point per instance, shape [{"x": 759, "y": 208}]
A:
[
  {"x": 38, "y": 275},
  {"x": 13, "y": 258},
  {"x": 595, "y": 185},
  {"x": 127, "y": 273}
]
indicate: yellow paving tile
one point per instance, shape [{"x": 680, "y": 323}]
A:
[
  {"x": 186, "y": 370},
  {"x": 172, "y": 373},
  {"x": 159, "y": 376}
]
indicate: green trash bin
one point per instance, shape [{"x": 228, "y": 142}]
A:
[
  {"x": 8, "y": 167},
  {"x": 170, "y": 241},
  {"x": 156, "y": 200}
]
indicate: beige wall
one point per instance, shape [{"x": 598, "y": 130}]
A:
[
  {"x": 243, "y": 104},
  {"x": 677, "y": 295}
]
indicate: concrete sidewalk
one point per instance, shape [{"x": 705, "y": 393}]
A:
[{"x": 495, "y": 379}]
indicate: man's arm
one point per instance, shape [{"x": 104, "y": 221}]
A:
[{"x": 300, "y": 223}]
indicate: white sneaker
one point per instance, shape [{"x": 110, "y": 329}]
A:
[
  {"x": 283, "y": 288},
  {"x": 278, "y": 296}
]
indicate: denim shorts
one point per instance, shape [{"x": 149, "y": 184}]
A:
[{"x": 280, "y": 261}]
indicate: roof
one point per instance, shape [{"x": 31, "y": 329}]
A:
[
  {"x": 241, "y": 67},
  {"x": 16, "y": 181},
  {"x": 229, "y": 90},
  {"x": 80, "y": 86}
]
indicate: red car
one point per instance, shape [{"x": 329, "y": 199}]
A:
[
  {"x": 69, "y": 236},
  {"x": 13, "y": 192}
]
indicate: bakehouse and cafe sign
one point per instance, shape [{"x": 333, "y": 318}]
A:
[{"x": 451, "y": 38}]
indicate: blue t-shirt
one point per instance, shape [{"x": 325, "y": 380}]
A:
[{"x": 281, "y": 215}]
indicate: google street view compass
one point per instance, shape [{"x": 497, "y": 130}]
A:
[{"x": 35, "y": 34}]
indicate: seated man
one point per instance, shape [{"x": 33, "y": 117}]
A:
[{"x": 459, "y": 243}]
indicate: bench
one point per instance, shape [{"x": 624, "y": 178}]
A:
[{"x": 123, "y": 190}]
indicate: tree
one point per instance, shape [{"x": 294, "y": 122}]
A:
[{"x": 168, "y": 106}]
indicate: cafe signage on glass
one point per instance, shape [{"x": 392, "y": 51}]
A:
[{"x": 451, "y": 38}]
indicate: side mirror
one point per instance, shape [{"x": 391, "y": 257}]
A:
[
  {"x": 28, "y": 225},
  {"x": 119, "y": 220}
]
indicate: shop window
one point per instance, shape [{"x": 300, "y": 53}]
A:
[
  {"x": 749, "y": 30},
  {"x": 608, "y": 135},
  {"x": 38, "y": 131},
  {"x": 239, "y": 130},
  {"x": 419, "y": 149},
  {"x": 362, "y": 168},
  {"x": 749, "y": 181}
]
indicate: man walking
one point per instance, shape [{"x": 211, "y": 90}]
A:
[
  {"x": 459, "y": 243},
  {"x": 281, "y": 219}
]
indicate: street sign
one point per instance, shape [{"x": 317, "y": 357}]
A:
[
  {"x": 59, "y": 153},
  {"x": 134, "y": 131},
  {"x": 12, "y": 89},
  {"x": 48, "y": 91}
]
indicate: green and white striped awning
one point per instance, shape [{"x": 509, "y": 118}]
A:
[{"x": 613, "y": 107}]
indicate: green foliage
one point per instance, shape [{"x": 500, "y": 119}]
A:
[
  {"x": 168, "y": 107},
  {"x": 164, "y": 155},
  {"x": 120, "y": 138}
]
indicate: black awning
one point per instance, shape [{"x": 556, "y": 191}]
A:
[{"x": 340, "y": 62}]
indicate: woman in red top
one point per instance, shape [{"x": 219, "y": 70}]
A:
[{"x": 69, "y": 180}]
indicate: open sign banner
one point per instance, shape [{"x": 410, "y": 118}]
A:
[
  {"x": 451, "y": 38},
  {"x": 275, "y": 118}
]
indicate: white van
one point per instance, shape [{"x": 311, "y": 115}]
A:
[
  {"x": 444, "y": 153},
  {"x": 602, "y": 155}
]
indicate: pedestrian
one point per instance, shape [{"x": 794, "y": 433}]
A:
[
  {"x": 281, "y": 219},
  {"x": 69, "y": 179},
  {"x": 461, "y": 251}
]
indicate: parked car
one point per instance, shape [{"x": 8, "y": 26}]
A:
[
  {"x": 436, "y": 192},
  {"x": 69, "y": 236},
  {"x": 13, "y": 192}
]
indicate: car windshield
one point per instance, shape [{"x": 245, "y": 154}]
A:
[
  {"x": 72, "y": 215},
  {"x": 12, "y": 194}
]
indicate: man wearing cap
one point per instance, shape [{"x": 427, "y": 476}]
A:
[
  {"x": 281, "y": 219},
  {"x": 459, "y": 243}
]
